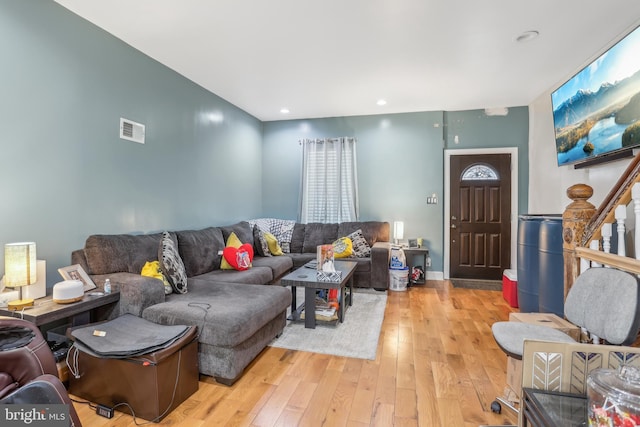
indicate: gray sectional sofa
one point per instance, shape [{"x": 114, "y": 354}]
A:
[{"x": 237, "y": 312}]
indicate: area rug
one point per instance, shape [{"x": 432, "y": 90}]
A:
[
  {"x": 489, "y": 285},
  {"x": 357, "y": 337}
]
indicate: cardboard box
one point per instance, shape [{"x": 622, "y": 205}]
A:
[
  {"x": 514, "y": 366},
  {"x": 510, "y": 287},
  {"x": 548, "y": 319},
  {"x": 514, "y": 375}
]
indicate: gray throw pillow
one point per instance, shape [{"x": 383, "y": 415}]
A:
[
  {"x": 262, "y": 247},
  {"x": 361, "y": 248},
  {"x": 171, "y": 264}
]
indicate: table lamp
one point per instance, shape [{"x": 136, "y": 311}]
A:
[
  {"x": 20, "y": 270},
  {"x": 398, "y": 231}
]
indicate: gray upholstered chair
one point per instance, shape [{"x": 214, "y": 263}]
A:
[{"x": 602, "y": 301}]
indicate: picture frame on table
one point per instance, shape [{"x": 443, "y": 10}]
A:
[
  {"x": 413, "y": 243},
  {"x": 76, "y": 272}
]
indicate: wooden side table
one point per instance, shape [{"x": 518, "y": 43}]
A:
[
  {"x": 417, "y": 257},
  {"x": 45, "y": 310}
]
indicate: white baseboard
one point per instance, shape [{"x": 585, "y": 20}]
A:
[{"x": 435, "y": 275}]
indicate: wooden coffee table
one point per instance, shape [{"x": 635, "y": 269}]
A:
[{"x": 305, "y": 276}]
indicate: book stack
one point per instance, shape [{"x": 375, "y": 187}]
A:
[{"x": 324, "y": 310}]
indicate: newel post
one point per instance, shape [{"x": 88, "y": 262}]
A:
[{"x": 575, "y": 218}]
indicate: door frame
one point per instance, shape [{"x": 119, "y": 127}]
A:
[{"x": 448, "y": 153}]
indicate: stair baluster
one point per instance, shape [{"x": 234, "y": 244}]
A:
[
  {"x": 595, "y": 245},
  {"x": 606, "y": 237},
  {"x": 621, "y": 215},
  {"x": 635, "y": 195}
]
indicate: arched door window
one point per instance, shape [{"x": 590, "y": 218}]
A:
[{"x": 480, "y": 172}]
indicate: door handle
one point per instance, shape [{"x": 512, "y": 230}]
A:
[{"x": 453, "y": 218}]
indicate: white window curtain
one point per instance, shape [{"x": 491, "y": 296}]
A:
[{"x": 329, "y": 185}]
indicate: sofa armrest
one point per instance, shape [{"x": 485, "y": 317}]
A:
[
  {"x": 380, "y": 256},
  {"x": 136, "y": 292},
  {"x": 78, "y": 257}
]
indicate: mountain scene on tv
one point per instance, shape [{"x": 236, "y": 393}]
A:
[{"x": 591, "y": 123}]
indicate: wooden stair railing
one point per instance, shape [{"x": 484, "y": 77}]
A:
[
  {"x": 583, "y": 224},
  {"x": 619, "y": 195},
  {"x": 625, "y": 263}
]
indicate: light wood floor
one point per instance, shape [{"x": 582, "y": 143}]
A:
[{"x": 436, "y": 365}]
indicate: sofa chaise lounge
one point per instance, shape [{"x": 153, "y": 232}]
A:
[{"x": 237, "y": 312}]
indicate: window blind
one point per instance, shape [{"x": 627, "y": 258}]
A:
[{"x": 329, "y": 181}]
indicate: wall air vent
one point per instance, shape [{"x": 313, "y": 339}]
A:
[{"x": 131, "y": 131}]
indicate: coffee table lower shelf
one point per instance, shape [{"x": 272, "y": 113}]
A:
[{"x": 298, "y": 316}]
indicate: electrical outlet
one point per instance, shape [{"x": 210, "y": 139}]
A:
[{"x": 428, "y": 261}]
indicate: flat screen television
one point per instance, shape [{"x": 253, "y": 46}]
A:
[{"x": 596, "y": 113}]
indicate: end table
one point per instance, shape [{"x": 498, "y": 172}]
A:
[
  {"x": 417, "y": 257},
  {"x": 45, "y": 310}
]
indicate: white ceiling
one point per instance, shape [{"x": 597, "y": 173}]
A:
[{"x": 338, "y": 57}]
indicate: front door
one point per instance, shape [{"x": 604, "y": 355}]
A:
[{"x": 480, "y": 216}]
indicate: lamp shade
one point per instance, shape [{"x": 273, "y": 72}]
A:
[
  {"x": 20, "y": 264},
  {"x": 398, "y": 230}
]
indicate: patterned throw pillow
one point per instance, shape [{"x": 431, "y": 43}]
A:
[
  {"x": 232, "y": 242},
  {"x": 282, "y": 229},
  {"x": 262, "y": 247},
  {"x": 342, "y": 248},
  {"x": 239, "y": 258},
  {"x": 171, "y": 263},
  {"x": 361, "y": 248}
]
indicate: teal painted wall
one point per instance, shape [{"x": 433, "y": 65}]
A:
[
  {"x": 65, "y": 174},
  {"x": 400, "y": 163},
  {"x": 475, "y": 129}
]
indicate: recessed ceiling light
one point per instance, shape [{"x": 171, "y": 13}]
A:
[
  {"x": 381, "y": 102},
  {"x": 284, "y": 110},
  {"x": 527, "y": 35}
]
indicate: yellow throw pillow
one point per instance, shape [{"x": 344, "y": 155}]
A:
[
  {"x": 152, "y": 269},
  {"x": 232, "y": 242},
  {"x": 274, "y": 247},
  {"x": 342, "y": 248}
]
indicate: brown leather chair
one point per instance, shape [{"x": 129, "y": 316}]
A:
[
  {"x": 28, "y": 372},
  {"x": 24, "y": 354},
  {"x": 43, "y": 390}
]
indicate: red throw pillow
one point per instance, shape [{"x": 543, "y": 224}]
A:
[{"x": 239, "y": 258}]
